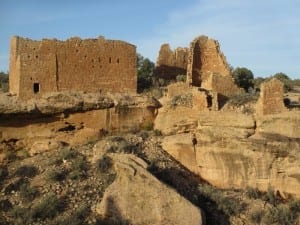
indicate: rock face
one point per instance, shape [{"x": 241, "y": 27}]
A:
[
  {"x": 139, "y": 198},
  {"x": 271, "y": 97},
  {"x": 237, "y": 151},
  {"x": 92, "y": 65},
  {"x": 171, "y": 63},
  {"x": 74, "y": 118}
]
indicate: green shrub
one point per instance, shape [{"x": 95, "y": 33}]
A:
[
  {"x": 242, "y": 99},
  {"x": 26, "y": 171},
  {"x": 56, "y": 175},
  {"x": 229, "y": 205},
  {"x": 3, "y": 173},
  {"x": 280, "y": 215},
  {"x": 157, "y": 132},
  {"x": 21, "y": 215},
  {"x": 76, "y": 218},
  {"x": 270, "y": 196},
  {"x": 27, "y": 192},
  {"x": 49, "y": 207},
  {"x": 67, "y": 153},
  {"x": 78, "y": 168},
  {"x": 104, "y": 164},
  {"x": 253, "y": 193}
]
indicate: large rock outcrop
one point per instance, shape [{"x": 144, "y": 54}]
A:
[
  {"x": 237, "y": 151},
  {"x": 72, "y": 117},
  {"x": 138, "y": 197}
]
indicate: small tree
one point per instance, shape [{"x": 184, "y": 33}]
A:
[
  {"x": 243, "y": 77},
  {"x": 287, "y": 82},
  {"x": 145, "y": 69}
]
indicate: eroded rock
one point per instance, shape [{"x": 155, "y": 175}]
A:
[{"x": 138, "y": 197}]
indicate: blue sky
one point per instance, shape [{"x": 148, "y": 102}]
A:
[{"x": 262, "y": 35}]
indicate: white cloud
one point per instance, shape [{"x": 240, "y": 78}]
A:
[{"x": 255, "y": 33}]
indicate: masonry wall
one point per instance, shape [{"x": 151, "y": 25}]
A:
[
  {"x": 171, "y": 63},
  {"x": 205, "y": 58},
  {"x": 271, "y": 97},
  {"x": 92, "y": 65}
]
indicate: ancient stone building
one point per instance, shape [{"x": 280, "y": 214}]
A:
[
  {"x": 207, "y": 67},
  {"x": 91, "y": 65},
  {"x": 271, "y": 97},
  {"x": 203, "y": 63},
  {"x": 171, "y": 63}
]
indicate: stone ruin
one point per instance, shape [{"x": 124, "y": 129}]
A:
[
  {"x": 271, "y": 98},
  {"x": 171, "y": 63},
  {"x": 90, "y": 65},
  {"x": 205, "y": 67}
]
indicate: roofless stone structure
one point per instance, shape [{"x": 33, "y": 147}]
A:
[{"x": 91, "y": 65}]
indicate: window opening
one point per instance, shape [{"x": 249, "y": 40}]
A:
[{"x": 36, "y": 88}]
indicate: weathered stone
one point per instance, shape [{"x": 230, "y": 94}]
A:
[
  {"x": 138, "y": 197},
  {"x": 271, "y": 97},
  {"x": 205, "y": 58},
  {"x": 234, "y": 163},
  {"x": 92, "y": 65},
  {"x": 171, "y": 63},
  {"x": 43, "y": 145}
]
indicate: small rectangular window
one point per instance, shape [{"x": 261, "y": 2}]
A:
[{"x": 36, "y": 88}]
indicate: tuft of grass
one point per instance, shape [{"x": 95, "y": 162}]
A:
[
  {"x": 229, "y": 205},
  {"x": 78, "y": 168},
  {"x": 56, "y": 175},
  {"x": 253, "y": 193},
  {"x": 26, "y": 171},
  {"x": 76, "y": 218},
  {"x": 3, "y": 173},
  {"x": 27, "y": 192},
  {"x": 49, "y": 207},
  {"x": 21, "y": 215}
]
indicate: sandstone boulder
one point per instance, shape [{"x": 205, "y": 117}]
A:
[
  {"x": 42, "y": 145},
  {"x": 138, "y": 197}
]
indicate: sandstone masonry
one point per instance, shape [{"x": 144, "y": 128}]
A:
[
  {"x": 203, "y": 63},
  {"x": 271, "y": 97},
  {"x": 171, "y": 63},
  {"x": 91, "y": 65}
]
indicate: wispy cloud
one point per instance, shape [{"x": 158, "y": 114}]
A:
[{"x": 254, "y": 34}]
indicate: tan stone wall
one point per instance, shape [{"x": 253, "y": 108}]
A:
[
  {"x": 204, "y": 59},
  {"x": 176, "y": 89},
  {"x": 224, "y": 85},
  {"x": 171, "y": 63},
  {"x": 90, "y": 65},
  {"x": 271, "y": 97}
]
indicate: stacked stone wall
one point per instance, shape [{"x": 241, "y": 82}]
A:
[
  {"x": 91, "y": 65},
  {"x": 171, "y": 63},
  {"x": 204, "y": 59},
  {"x": 271, "y": 97}
]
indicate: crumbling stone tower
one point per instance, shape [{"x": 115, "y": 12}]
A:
[
  {"x": 271, "y": 97},
  {"x": 91, "y": 65},
  {"x": 205, "y": 58}
]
